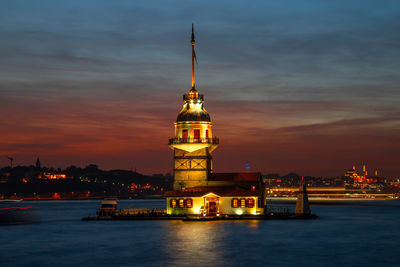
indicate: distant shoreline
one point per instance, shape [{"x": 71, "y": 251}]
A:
[{"x": 88, "y": 198}]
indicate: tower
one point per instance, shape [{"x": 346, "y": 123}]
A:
[
  {"x": 38, "y": 165},
  {"x": 302, "y": 205},
  {"x": 193, "y": 143}
]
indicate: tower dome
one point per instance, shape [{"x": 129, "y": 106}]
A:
[{"x": 193, "y": 109}]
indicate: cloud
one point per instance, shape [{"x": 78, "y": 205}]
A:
[{"x": 304, "y": 86}]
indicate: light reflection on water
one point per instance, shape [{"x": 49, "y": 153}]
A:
[
  {"x": 201, "y": 242},
  {"x": 195, "y": 241},
  {"x": 343, "y": 235}
]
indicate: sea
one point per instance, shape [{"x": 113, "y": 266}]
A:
[{"x": 343, "y": 235}]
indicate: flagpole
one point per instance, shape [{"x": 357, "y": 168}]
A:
[{"x": 193, "y": 57}]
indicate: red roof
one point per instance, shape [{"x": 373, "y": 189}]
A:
[
  {"x": 220, "y": 191},
  {"x": 235, "y": 176}
]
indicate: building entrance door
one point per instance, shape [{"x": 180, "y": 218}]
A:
[{"x": 212, "y": 206}]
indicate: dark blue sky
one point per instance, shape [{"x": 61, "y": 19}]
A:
[{"x": 306, "y": 86}]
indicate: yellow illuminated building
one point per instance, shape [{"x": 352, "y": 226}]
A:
[
  {"x": 196, "y": 189},
  {"x": 52, "y": 176},
  {"x": 213, "y": 204}
]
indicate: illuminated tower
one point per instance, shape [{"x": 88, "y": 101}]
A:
[{"x": 193, "y": 142}]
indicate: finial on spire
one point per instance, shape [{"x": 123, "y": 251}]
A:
[{"x": 192, "y": 41}]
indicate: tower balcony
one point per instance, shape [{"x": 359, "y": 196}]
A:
[
  {"x": 193, "y": 144},
  {"x": 177, "y": 141}
]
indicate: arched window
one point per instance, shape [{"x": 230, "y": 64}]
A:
[
  {"x": 250, "y": 203},
  {"x": 235, "y": 203},
  {"x": 181, "y": 203},
  {"x": 243, "y": 203},
  {"x": 184, "y": 135},
  {"x": 189, "y": 203},
  {"x": 196, "y": 133},
  {"x": 172, "y": 203}
]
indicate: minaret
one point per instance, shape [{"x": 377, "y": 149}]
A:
[
  {"x": 38, "y": 166},
  {"x": 193, "y": 142}
]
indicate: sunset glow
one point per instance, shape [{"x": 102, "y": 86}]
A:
[{"x": 285, "y": 93}]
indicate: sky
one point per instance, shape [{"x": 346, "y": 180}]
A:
[{"x": 310, "y": 87}]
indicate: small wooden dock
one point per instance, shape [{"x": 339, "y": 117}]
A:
[
  {"x": 159, "y": 215},
  {"x": 108, "y": 212}
]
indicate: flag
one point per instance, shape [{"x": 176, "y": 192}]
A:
[{"x": 195, "y": 58}]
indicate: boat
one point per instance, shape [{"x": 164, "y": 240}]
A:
[
  {"x": 328, "y": 200},
  {"x": 108, "y": 207},
  {"x": 329, "y": 195}
]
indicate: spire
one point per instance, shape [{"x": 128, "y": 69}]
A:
[{"x": 193, "y": 58}]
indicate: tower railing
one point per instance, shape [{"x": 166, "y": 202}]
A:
[
  {"x": 187, "y": 97},
  {"x": 178, "y": 140}
]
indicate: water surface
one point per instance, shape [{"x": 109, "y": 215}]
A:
[{"x": 343, "y": 235}]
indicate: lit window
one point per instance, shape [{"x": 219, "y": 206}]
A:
[
  {"x": 181, "y": 203},
  {"x": 235, "y": 202},
  {"x": 184, "y": 135},
  {"x": 189, "y": 203},
  {"x": 250, "y": 203},
  {"x": 173, "y": 203},
  {"x": 243, "y": 203},
  {"x": 196, "y": 133}
]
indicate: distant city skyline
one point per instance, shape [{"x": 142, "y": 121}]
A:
[{"x": 292, "y": 86}]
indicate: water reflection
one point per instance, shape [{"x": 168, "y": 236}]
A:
[
  {"x": 253, "y": 224},
  {"x": 199, "y": 243}
]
